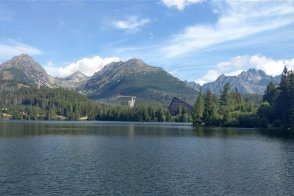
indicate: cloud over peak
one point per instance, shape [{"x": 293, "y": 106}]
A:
[
  {"x": 88, "y": 66},
  {"x": 238, "y": 64}
]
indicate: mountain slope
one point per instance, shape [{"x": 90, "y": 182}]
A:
[
  {"x": 252, "y": 81},
  {"x": 193, "y": 85},
  {"x": 24, "y": 69},
  {"x": 73, "y": 81},
  {"x": 135, "y": 78}
]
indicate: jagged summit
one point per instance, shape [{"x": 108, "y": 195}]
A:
[
  {"x": 252, "y": 74},
  {"x": 135, "y": 61},
  {"x": 77, "y": 75},
  {"x": 252, "y": 81},
  {"x": 74, "y": 80},
  {"x": 23, "y": 57},
  {"x": 23, "y": 61}
]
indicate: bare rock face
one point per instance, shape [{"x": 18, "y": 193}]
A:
[
  {"x": 24, "y": 69},
  {"x": 73, "y": 81},
  {"x": 252, "y": 81},
  {"x": 193, "y": 85},
  {"x": 135, "y": 78}
]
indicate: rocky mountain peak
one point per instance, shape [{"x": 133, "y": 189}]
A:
[
  {"x": 73, "y": 81},
  {"x": 136, "y": 78},
  {"x": 125, "y": 68},
  {"x": 24, "y": 62},
  {"x": 23, "y": 68},
  {"x": 78, "y": 73},
  {"x": 251, "y": 81},
  {"x": 221, "y": 76},
  {"x": 253, "y": 74},
  {"x": 24, "y": 57},
  {"x": 135, "y": 61},
  {"x": 79, "y": 76}
]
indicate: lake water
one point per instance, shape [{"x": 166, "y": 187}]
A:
[{"x": 114, "y": 158}]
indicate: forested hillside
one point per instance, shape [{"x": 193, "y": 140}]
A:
[{"x": 26, "y": 102}]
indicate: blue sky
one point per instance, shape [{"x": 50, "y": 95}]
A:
[{"x": 195, "y": 40}]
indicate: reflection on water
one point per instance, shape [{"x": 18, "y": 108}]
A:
[
  {"x": 124, "y": 158},
  {"x": 223, "y": 132},
  {"x": 34, "y": 128},
  {"x": 277, "y": 133},
  {"x": 30, "y": 128}
]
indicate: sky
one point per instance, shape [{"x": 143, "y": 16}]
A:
[{"x": 194, "y": 40}]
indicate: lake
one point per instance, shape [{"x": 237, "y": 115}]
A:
[{"x": 124, "y": 158}]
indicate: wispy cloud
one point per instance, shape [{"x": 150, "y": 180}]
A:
[
  {"x": 237, "y": 20},
  {"x": 12, "y": 48},
  {"x": 132, "y": 23},
  {"x": 87, "y": 66},
  {"x": 242, "y": 63},
  {"x": 180, "y": 4}
]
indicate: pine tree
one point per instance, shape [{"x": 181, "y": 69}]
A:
[
  {"x": 238, "y": 101},
  {"x": 283, "y": 103},
  {"x": 198, "y": 109},
  {"x": 224, "y": 102},
  {"x": 208, "y": 107},
  {"x": 291, "y": 98},
  {"x": 270, "y": 93}
]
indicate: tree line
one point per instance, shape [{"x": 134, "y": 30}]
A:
[
  {"x": 31, "y": 103},
  {"x": 230, "y": 108},
  {"x": 278, "y": 105}
]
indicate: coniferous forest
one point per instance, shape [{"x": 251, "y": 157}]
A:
[
  {"x": 31, "y": 103},
  {"x": 228, "y": 109}
]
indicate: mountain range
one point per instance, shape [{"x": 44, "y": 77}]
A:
[
  {"x": 73, "y": 81},
  {"x": 114, "y": 82},
  {"x": 131, "y": 78},
  {"x": 247, "y": 82}
]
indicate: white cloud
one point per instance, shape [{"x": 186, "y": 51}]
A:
[
  {"x": 88, "y": 66},
  {"x": 180, "y": 4},
  {"x": 270, "y": 66},
  {"x": 132, "y": 23},
  {"x": 12, "y": 48},
  {"x": 242, "y": 63},
  {"x": 237, "y": 19},
  {"x": 211, "y": 75}
]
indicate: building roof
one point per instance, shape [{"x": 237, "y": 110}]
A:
[{"x": 176, "y": 103}]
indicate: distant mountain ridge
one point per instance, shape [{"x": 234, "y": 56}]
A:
[
  {"x": 252, "y": 82},
  {"x": 74, "y": 80},
  {"x": 193, "y": 85},
  {"x": 131, "y": 78}
]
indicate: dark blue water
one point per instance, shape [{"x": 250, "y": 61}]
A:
[{"x": 81, "y": 158}]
